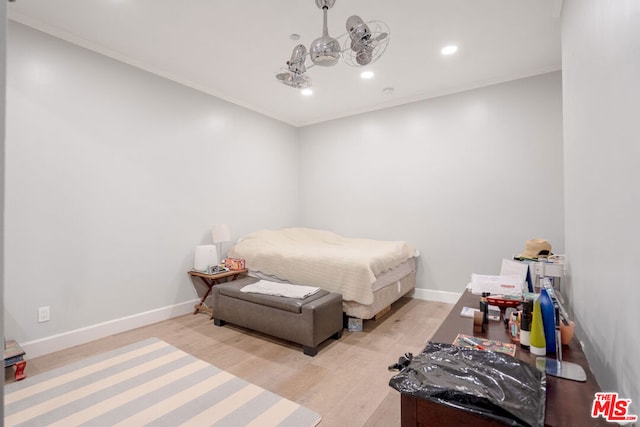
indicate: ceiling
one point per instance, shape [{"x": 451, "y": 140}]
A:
[{"x": 232, "y": 49}]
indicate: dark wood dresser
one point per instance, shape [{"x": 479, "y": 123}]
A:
[{"x": 568, "y": 402}]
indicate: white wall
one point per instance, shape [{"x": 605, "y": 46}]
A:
[
  {"x": 114, "y": 175},
  {"x": 601, "y": 84},
  {"x": 3, "y": 63},
  {"x": 466, "y": 178}
]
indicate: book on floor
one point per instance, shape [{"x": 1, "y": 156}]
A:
[{"x": 13, "y": 353}]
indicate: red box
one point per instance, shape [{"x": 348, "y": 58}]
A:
[{"x": 234, "y": 263}]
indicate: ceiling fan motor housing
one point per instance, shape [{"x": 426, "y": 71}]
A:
[
  {"x": 325, "y": 3},
  {"x": 325, "y": 51}
]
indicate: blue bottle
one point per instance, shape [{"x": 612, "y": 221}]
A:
[{"x": 548, "y": 320}]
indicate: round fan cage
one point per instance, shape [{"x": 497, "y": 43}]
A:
[{"x": 379, "y": 40}]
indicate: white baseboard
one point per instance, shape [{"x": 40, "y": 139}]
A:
[
  {"x": 438, "y": 296},
  {"x": 65, "y": 340},
  {"x": 69, "y": 339}
]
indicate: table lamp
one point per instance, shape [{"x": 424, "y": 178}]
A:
[{"x": 220, "y": 233}]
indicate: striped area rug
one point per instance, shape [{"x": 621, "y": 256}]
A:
[{"x": 147, "y": 383}]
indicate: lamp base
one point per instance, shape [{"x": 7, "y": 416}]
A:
[{"x": 561, "y": 369}]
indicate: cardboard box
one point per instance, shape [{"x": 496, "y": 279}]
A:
[{"x": 234, "y": 263}]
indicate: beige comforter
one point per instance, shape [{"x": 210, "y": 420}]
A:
[{"x": 305, "y": 256}]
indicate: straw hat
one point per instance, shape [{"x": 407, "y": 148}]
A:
[{"x": 536, "y": 247}]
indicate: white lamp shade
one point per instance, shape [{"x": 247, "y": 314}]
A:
[
  {"x": 205, "y": 256},
  {"x": 220, "y": 233}
]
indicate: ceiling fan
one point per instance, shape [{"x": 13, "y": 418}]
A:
[{"x": 363, "y": 44}]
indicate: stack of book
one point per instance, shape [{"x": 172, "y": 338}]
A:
[{"x": 13, "y": 353}]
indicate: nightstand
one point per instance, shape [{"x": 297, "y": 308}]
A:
[{"x": 210, "y": 280}]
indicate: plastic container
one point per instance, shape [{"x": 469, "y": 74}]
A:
[
  {"x": 566, "y": 332},
  {"x": 537, "y": 343},
  {"x": 549, "y": 320}
]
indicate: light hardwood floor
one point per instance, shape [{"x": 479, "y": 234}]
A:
[{"x": 346, "y": 383}]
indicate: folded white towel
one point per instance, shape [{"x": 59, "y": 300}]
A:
[{"x": 280, "y": 289}]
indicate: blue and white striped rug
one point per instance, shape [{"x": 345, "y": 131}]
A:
[{"x": 147, "y": 383}]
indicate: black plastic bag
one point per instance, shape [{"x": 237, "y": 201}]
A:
[{"x": 487, "y": 383}]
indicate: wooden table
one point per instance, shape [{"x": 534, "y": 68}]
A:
[
  {"x": 568, "y": 402},
  {"x": 210, "y": 280}
]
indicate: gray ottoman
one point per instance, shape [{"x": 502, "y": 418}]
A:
[{"x": 307, "y": 321}]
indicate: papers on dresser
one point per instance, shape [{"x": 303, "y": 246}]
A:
[
  {"x": 496, "y": 285},
  {"x": 514, "y": 268},
  {"x": 518, "y": 268}
]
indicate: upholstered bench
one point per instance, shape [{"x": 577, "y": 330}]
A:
[{"x": 307, "y": 321}]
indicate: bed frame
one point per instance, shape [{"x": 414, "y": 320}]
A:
[{"x": 387, "y": 289}]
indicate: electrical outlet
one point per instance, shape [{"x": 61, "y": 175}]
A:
[{"x": 43, "y": 314}]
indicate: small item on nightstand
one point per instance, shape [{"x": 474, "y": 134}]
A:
[
  {"x": 235, "y": 263},
  {"x": 216, "y": 269}
]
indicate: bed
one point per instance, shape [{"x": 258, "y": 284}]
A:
[{"x": 369, "y": 274}]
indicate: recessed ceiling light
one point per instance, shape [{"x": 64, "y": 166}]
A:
[
  {"x": 367, "y": 75},
  {"x": 449, "y": 50},
  {"x": 307, "y": 91},
  {"x": 388, "y": 90},
  {"x": 294, "y": 36}
]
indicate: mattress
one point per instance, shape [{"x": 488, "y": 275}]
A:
[{"x": 354, "y": 268}]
